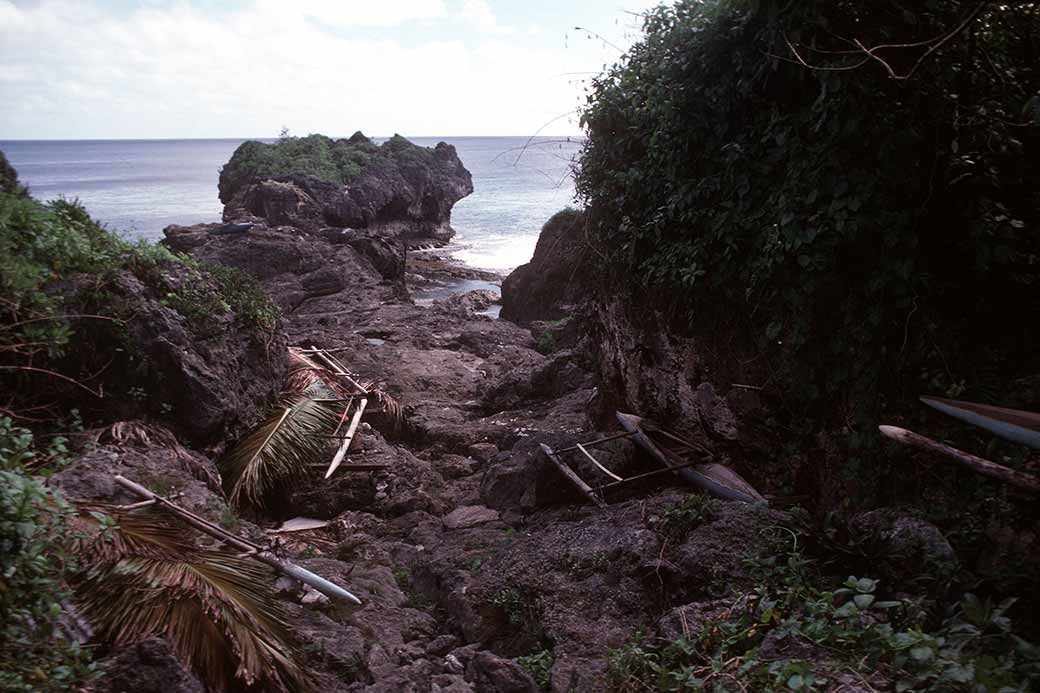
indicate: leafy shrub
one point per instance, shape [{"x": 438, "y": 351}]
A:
[
  {"x": 858, "y": 229},
  {"x": 539, "y": 665},
  {"x": 847, "y": 629},
  {"x": 679, "y": 519},
  {"x": 34, "y": 655}
]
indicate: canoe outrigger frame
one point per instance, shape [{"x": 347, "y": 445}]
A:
[{"x": 712, "y": 477}]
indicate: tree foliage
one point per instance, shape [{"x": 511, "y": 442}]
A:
[
  {"x": 876, "y": 237},
  {"x": 34, "y": 654}
]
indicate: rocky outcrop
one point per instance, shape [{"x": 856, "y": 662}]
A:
[
  {"x": 330, "y": 268},
  {"x": 147, "y": 667},
  {"x": 547, "y": 287},
  {"x": 175, "y": 350},
  {"x": 397, "y": 190}
]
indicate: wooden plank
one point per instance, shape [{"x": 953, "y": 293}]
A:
[
  {"x": 351, "y": 430},
  {"x": 599, "y": 466},
  {"x": 979, "y": 465},
  {"x": 567, "y": 472}
]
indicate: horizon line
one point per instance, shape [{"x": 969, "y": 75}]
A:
[{"x": 204, "y": 139}]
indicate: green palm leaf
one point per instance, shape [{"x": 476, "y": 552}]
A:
[{"x": 278, "y": 450}]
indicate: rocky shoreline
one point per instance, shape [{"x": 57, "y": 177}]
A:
[{"x": 479, "y": 569}]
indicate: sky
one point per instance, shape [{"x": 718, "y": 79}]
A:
[{"x": 88, "y": 69}]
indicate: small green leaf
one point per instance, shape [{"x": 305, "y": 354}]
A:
[
  {"x": 863, "y": 601},
  {"x": 921, "y": 653}
]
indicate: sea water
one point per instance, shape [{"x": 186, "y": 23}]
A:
[{"x": 138, "y": 187}]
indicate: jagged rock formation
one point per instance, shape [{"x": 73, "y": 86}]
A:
[
  {"x": 397, "y": 189},
  {"x": 298, "y": 268},
  {"x": 547, "y": 287}
]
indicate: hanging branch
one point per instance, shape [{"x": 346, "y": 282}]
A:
[{"x": 933, "y": 44}]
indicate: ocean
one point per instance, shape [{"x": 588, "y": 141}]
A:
[{"x": 138, "y": 187}]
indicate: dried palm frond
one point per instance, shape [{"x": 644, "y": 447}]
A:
[
  {"x": 305, "y": 372},
  {"x": 277, "y": 450},
  {"x": 392, "y": 409},
  {"x": 138, "y": 434},
  {"x": 144, "y": 577}
]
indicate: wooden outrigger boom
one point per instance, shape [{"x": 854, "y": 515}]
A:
[{"x": 260, "y": 553}]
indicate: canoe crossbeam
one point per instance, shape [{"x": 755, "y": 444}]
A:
[{"x": 594, "y": 493}]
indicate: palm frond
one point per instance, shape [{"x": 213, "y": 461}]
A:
[
  {"x": 304, "y": 372},
  {"x": 277, "y": 451},
  {"x": 139, "y": 434},
  {"x": 392, "y": 409},
  {"x": 144, "y": 578}
]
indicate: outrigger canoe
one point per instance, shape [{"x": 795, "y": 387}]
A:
[{"x": 669, "y": 449}]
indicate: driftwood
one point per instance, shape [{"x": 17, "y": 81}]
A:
[
  {"x": 567, "y": 472},
  {"x": 256, "y": 551},
  {"x": 982, "y": 466},
  {"x": 338, "y": 368}
]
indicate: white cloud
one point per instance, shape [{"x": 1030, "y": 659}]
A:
[
  {"x": 71, "y": 69},
  {"x": 355, "y": 13},
  {"x": 479, "y": 14}
]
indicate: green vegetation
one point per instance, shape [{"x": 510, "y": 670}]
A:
[
  {"x": 868, "y": 238},
  {"x": 62, "y": 279},
  {"x": 334, "y": 161},
  {"x": 680, "y": 519},
  {"x": 34, "y": 654},
  {"x": 842, "y": 633},
  {"x": 539, "y": 665}
]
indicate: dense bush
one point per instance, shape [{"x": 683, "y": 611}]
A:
[
  {"x": 334, "y": 161},
  {"x": 34, "y": 655},
  {"x": 873, "y": 237}
]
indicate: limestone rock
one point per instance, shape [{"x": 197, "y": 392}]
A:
[
  {"x": 469, "y": 516},
  {"x": 543, "y": 288},
  {"x": 147, "y": 667}
]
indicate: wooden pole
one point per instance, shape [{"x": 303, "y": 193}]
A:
[
  {"x": 979, "y": 465},
  {"x": 598, "y": 441},
  {"x": 599, "y": 466},
  {"x": 644, "y": 475},
  {"x": 585, "y": 489},
  {"x": 339, "y": 370},
  {"x": 351, "y": 430},
  {"x": 260, "y": 553}
]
